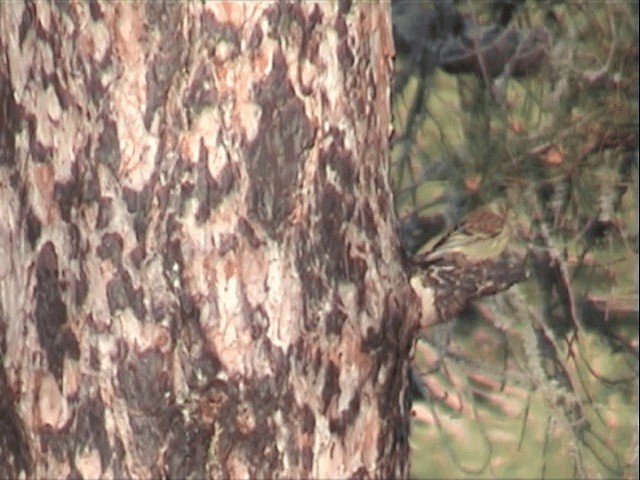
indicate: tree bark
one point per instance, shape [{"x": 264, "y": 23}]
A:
[{"x": 199, "y": 273}]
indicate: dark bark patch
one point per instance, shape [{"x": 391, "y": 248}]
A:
[
  {"x": 225, "y": 181},
  {"x": 394, "y": 315},
  {"x": 288, "y": 401},
  {"x": 281, "y": 15},
  {"x": 121, "y": 294},
  {"x": 373, "y": 340},
  {"x": 262, "y": 452},
  {"x": 331, "y": 387},
  {"x": 118, "y": 459},
  {"x": 74, "y": 474},
  {"x": 216, "y": 33},
  {"x": 313, "y": 280},
  {"x": 183, "y": 175},
  {"x": 308, "y": 420},
  {"x": 163, "y": 193},
  {"x": 335, "y": 318},
  {"x": 391, "y": 391},
  {"x": 362, "y": 474},
  {"x": 264, "y": 394},
  {"x": 160, "y": 311},
  {"x": 357, "y": 271},
  {"x": 138, "y": 204},
  {"x": 296, "y": 351},
  {"x": 63, "y": 7},
  {"x": 328, "y": 228},
  {"x": 204, "y": 181},
  {"x": 15, "y": 181},
  {"x": 14, "y": 444},
  {"x": 367, "y": 222},
  {"x": 204, "y": 370},
  {"x": 73, "y": 240},
  {"x": 394, "y": 353},
  {"x": 144, "y": 382},
  {"x": 82, "y": 287},
  {"x": 187, "y": 189},
  {"x": 90, "y": 430},
  {"x": 116, "y": 295},
  {"x": 307, "y": 458},
  {"x": 50, "y": 312},
  {"x": 91, "y": 184},
  {"x": 136, "y": 301},
  {"x": 94, "y": 358},
  {"x": 105, "y": 212},
  {"x": 39, "y": 153},
  {"x": 137, "y": 255},
  {"x": 149, "y": 434},
  {"x": 315, "y": 18},
  {"x": 95, "y": 89},
  {"x": 273, "y": 14},
  {"x": 311, "y": 318},
  {"x": 262, "y": 399},
  {"x": 258, "y": 322},
  {"x": 173, "y": 262},
  {"x": 201, "y": 92},
  {"x": 95, "y": 10},
  {"x": 108, "y": 149},
  {"x": 344, "y": 6},
  {"x": 10, "y": 118},
  {"x": 277, "y": 154},
  {"x": 33, "y": 228},
  {"x": 26, "y": 22},
  {"x": 187, "y": 448},
  {"x": 248, "y": 232},
  {"x": 209, "y": 190},
  {"x": 70, "y": 344},
  {"x": 347, "y": 417},
  {"x": 339, "y": 159},
  {"x": 111, "y": 247},
  {"x": 383, "y": 200},
  {"x": 317, "y": 361},
  {"x": 344, "y": 53},
  {"x": 168, "y": 60},
  {"x": 122, "y": 348},
  {"x": 56, "y": 442},
  {"x": 64, "y": 98},
  {"x": 278, "y": 362},
  {"x": 331, "y": 216},
  {"x": 137, "y": 201},
  {"x": 291, "y": 12},
  {"x": 255, "y": 39},
  {"x": 188, "y": 307}
]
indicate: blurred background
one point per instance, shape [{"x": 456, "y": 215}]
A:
[{"x": 534, "y": 102}]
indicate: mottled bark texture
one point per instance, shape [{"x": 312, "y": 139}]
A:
[{"x": 199, "y": 275}]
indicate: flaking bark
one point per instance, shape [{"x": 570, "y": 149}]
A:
[{"x": 199, "y": 273}]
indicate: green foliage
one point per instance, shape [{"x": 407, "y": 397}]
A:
[{"x": 543, "y": 379}]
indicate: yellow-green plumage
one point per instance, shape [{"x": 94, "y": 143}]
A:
[{"x": 482, "y": 235}]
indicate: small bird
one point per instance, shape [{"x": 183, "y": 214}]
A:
[{"x": 481, "y": 235}]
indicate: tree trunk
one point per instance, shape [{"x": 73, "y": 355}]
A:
[{"x": 199, "y": 273}]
